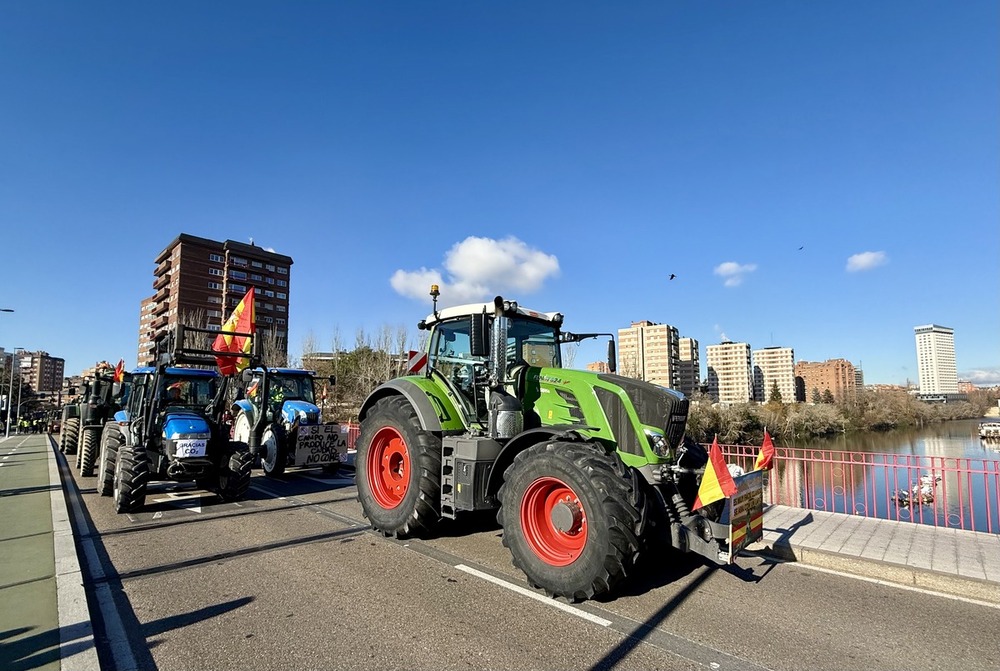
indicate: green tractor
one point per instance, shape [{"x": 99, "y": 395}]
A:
[{"x": 588, "y": 471}]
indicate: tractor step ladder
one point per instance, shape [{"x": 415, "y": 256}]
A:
[{"x": 448, "y": 481}]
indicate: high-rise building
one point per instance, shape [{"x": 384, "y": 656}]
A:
[
  {"x": 43, "y": 372},
  {"x": 198, "y": 282},
  {"x": 730, "y": 378},
  {"x": 815, "y": 378},
  {"x": 936, "y": 359},
  {"x": 598, "y": 366},
  {"x": 649, "y": 351},
  {"x": 688, "y": 366},
  {"x": 774, "y": 368}
]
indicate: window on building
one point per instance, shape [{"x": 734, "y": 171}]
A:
[
  {"x": 256, "y": 264},
  {"x": 216, "y": 271},
  {"x": 237, "y": 274},
  {"x": 238, "y": 287},
  {"x": 215, "y": 257},
  {"x": 268, "y": 293},
  {"x": 282, "y": 283},
  {"x": 281, "y": 321},
  {"x": 282, "y": 271},
  {"x": 215, "y": 299},
  {"x": 280, "y": 308},
  {"x": 237, "y": 260},
  {"x": 266, "y": 319},
  {"x": 234, "y": 301},
  {"x": 213, "y": 313},
  {"x": 256, "y": 278},
  {"x": 282, "y": 295},
  {"x": 269, "y": 280},
  {"x": 270, "y": 267},
  {"x": 214, "y": 285}
]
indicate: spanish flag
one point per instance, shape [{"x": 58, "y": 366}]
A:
[
  {"x": 119, "y": 371},
  {"x": 243, "y": 320},
  {"x": 717, "y": 483},
  {"x": 766, "y": 455}
]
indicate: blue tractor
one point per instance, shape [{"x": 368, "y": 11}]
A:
[
  {"x": 276, "y": 414},
  {"x": 174, "y": 428}
]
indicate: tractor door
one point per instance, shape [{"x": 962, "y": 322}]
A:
[{"x": 451, "y": 356}]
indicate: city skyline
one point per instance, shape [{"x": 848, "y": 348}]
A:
[{"x": 821, "y": 177}]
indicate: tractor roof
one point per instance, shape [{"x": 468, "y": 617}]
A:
[
  {"x": 177, "y": 372},
  {"x": 554, "y": 318}
]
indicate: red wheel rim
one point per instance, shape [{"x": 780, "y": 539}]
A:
[
  {"x": 545, "y": 501},
  {"x": 388, "y": 467}
]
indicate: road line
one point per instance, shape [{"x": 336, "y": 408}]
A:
[
  {"x": 114, "y": 629},
  {"x": 75, "y": 628},
  {"x": 566, "y": 608}
]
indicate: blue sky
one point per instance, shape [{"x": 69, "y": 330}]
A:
[{"x": 822, "y": 176}]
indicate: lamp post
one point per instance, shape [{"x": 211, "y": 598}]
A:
[
  {"x": 10, "y": 391},
  {"x": 17, "y": 418}
]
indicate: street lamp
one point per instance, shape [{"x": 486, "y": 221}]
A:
[{"x": 10, "y": 391}]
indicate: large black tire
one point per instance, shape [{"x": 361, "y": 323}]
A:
[
  {"x": 88, "y": 450},
  {"x": 72, "y": 435},
  {"x": 274, "y": 456},
  {"x": 131, "y": 478},
  {"x": 570, "y": 516},
  {"x": 111, "y": 441},
  {"x": 398, "y": 470},
  {"x": 234, "y": 472}
]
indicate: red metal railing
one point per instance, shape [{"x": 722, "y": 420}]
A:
[
  {"x": 954, "y": 492},
  {"x": 353, "y": 431}
]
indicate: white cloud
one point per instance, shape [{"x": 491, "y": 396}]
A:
[
  {"x": 983, "y": 377},
  {"x": 733, "y": 272},
  {"x": 479, "y": 268},
  {"x": 866, "y": 261}
]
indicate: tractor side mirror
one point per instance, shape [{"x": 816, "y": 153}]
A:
[
  {"x": 612, "y": 359},
  {"x": 479, "y": 336},
  {"x": 247, "y": 375},
  {"x": 333, "y": 380}
]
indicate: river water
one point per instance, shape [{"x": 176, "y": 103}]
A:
[{"x": 880, "y": 475}]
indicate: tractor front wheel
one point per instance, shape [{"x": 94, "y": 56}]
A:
[
  {"x": 111, "y": 441},
  {"x": 398, "y": 470},
  {"x": 131, "y": 478},
  {"x": 88, "y": 450},
  {"x": 234, "y": 472},
  {"x": 72, "y": 437},
  {"x": 569, "y": 518},
  {"x": 274, "y": 454}
]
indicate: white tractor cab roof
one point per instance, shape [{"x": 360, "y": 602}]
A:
[{"x": 511, "y": 308}]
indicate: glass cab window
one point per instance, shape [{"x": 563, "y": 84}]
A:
[
  {"x": 532, "y": 343},
  {"x": 451, "y": 355}
]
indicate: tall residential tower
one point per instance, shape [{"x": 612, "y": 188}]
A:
[{"x": 936, "y": 359}]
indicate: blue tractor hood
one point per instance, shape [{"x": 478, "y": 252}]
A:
[
  {"x": 290, "y": 411},
  {"x": 183, "y": 423}
]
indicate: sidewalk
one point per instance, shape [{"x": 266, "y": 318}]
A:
[
  {"x": 44, "y": 620},
  {"x": 950, "y": 561}
]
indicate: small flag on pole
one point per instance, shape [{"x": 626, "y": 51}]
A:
[
  {"x": 716, "y": 483},
  {"x": 765, "y": 457},
  {"x": 119, "y": 371},
  {"x": 243, "y": 320}
]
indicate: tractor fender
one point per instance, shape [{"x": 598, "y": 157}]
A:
[
  {"x": 243, "y": 405},
  {"x": 523, "y": 441},
  {"x": 414, "y": 394},
  {"x": 121, "y": 416}
]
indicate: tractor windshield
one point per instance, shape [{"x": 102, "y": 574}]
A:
[
  {"x": 533, "y": 343},
  {"x": 293, "y": 387},
  {"x": 190, "y": 392}
]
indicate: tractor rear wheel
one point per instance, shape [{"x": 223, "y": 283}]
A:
[
  {"x": 570, "y": 516},
  {"x": 88, "y": 450},
  {"x": 274, "y": 454},
  {"x": 241, "y": 428},
  {"x": 131, "y": 478},
  {"x": 111, "y": 441},
  {"x": 398, "y": 470},
  {"x": 72, "y": 431},
  {"x": 234, "y": 472}
]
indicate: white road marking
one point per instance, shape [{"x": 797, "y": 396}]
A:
[{"x": 537, "y": 597}]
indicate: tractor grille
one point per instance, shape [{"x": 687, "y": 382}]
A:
[
  {"x": 655, "y": 405},
  {"x": 617, "y": 416}
]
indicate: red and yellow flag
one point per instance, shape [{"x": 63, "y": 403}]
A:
[
  {"x": 766, "y": 455},
  {"x": 119, "y": 371},
  {"x": 243, "y": 320},
  {"x": 717, "y": 483}
]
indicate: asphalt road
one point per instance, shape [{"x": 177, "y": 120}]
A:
[{"x": 292, "y": 578}]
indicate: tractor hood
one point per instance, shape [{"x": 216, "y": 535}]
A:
[
  {"x": 305, "y": 413},
  {"x": 182, "y": 424}
]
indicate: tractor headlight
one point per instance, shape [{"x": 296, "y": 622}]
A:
[{"x": 658, "y": 443}]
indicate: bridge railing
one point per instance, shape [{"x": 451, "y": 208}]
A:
[{"x": 954, "y": 492}]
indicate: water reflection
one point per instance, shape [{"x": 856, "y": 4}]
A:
[{"x": 880, "y": 475}]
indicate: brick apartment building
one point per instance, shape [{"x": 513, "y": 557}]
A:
[
  {"x": 836, "y": 375},
  {"x": 199, "y": 281}
]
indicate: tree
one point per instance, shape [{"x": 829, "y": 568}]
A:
[
  {"x": 816, "y": 398},
  {"x": 775, "y": 396},
  {"x": 828, "y": 396}
]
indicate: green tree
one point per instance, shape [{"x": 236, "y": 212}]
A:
[
  {"x": 828, "y": 397},
  {"x": 775, "y": 396},
  {"x": 816, "y": 398}
]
